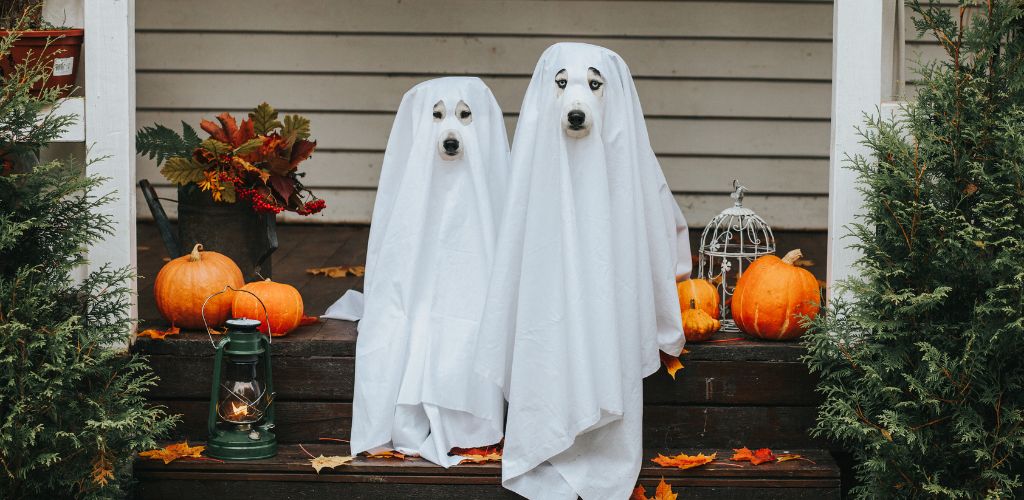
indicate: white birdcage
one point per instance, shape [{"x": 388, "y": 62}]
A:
[{"x": 730, "y": 242}]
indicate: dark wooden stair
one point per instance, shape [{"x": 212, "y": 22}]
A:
[{"x": 730, "y": 394}]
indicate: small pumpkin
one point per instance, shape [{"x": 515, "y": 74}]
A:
[
  {"x": 283, "y": 301},
  {"x": 698, "y": 325},
  {"x": 183, "y": 284},
  {"x": 772, "y": 294},
  {"x": 699, "y": 292}
]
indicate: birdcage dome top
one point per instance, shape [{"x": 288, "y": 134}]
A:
[{"x": 737, "y": 231}]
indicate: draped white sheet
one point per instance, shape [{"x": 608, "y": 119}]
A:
[
  {"x": 583, "y": 290},
  {"x": 431, "y": 248}
]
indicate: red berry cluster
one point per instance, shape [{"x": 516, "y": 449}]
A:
[
  {"x": 261, "y": 204},
  {"x": 311, "y": 207}
]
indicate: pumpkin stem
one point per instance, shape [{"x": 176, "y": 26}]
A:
[
  {"x": 195, "y": 253},
  {"x": 792, "y": 256}
]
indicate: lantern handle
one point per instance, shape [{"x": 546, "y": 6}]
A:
[{"x": 266, "y": 314}]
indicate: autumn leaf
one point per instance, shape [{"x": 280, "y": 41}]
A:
[
  {"x": 764, "y": 455},
  {"x": 639, "y": 493},
  {"x": 159, "y": 334},
  {"x": 328, "y": 462},
  {"x": 684, "y": 461},
  {"x": 478, "y": 455},
  {"x": 394, "y": 455},
  {"x": 182, "y": 171},
  {"x": 791, "y": 456},
  {"x": 173, "y": 452},
  {"x": 663, "y": 492},
  {"x": 229, "y": 131},
  {"x": 102, "y": 470},
  {"x": 742, "y": 454},
  {"x": 308, "y": 320},
  {"x": 264, "y": 119},
  {"x": 672, "y": 363},
  {"x": 337, "y": 271}
]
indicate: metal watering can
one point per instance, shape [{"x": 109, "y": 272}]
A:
[{"x": 232, "y": 229}]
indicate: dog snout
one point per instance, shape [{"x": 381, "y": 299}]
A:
[
  {"x": 576, "y": 118},
  {"x": 451, "y": 146}
]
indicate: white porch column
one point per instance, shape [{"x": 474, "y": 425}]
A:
[
  {"x": 109, "y": 65},
  {"x": 862, "y": 76}
]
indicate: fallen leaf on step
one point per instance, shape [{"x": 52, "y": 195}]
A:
[
  {"x": 672, "y": 363},
  {"x": 763, "y": 455},
  {"x": 308, "y": 320},
  {"x": 480, "y": 455},
  {"x": 664, "y": 492},
  {"x": 337, "y": 271},
  {"x": 791, "y": 456},
  {"x": 684, "y": 461},
  {"x": 394, "y": 455},
  {"x": 328, "y": 462},
  {"x": 159, "y": 334},
  {"x": 173, "y": 452}
]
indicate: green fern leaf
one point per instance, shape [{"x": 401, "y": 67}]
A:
[
  {"x": 160, "y": 143},
  {"x": 182, "y": 170},
  {"x": 189, "y": 135},
  {"x": 264, "y": 119}
]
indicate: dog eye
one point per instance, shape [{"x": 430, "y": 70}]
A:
[
  {"x": 465, "y": 114},
  {"x": 594, "y": 84},
  {"x": 561, "y": 82}
]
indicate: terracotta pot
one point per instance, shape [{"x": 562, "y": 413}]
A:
[{"x": 62, "y": 55}]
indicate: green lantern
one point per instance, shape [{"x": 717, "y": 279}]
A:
[{"x": 242, "y": 397}]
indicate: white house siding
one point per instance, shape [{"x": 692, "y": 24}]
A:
[{"x": 730, "y": 89}]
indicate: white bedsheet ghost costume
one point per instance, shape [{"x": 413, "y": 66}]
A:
[
  {"x": 583, "y": 291},
  {"x": 431, "y": 247}
]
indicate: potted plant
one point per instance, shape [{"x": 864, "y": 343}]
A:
[
  {"x": 57, "y": 48},
  {"x": 232, "y": 184}
]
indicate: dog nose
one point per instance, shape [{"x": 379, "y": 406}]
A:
[
  {"x": 576, "y": 117},
  {"x": 450, "y": 146}
]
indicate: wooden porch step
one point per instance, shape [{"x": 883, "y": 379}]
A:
[
  {"x": 289, "y": 476},
  {"x": 730, "y": 394}
]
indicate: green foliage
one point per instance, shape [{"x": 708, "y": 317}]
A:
[
  {"x": 922, "y": 362},
  {"x": 27, "y": 121},
  {"x": 295, "y": 128},
  {"x": 72, "y": 405},
  {"x": 183, "y": 170},
  {"x": 160, "y": 142},
  {"x": 21, "y": 14},
  {"x": 264, "y": 119},
  {"x": 72, "y": 402}
]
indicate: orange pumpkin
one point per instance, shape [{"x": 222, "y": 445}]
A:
[
  {"x": 284, "y": 306},
  {"x": 772, "y": 294},
  {"x": 183, "y": 284},
  {"x": 699, "y": 292}
]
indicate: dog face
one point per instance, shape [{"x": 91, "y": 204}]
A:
[
  {"x": 451, "y": 118},
  {"x": 580, "y": 96}
]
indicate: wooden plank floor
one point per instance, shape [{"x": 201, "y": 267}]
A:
[{"x": 306, "y": 246}]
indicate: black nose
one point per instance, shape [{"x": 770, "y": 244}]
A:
[
  {"x": 450, "y": 145},
  {"x": 576, "y": 117}
]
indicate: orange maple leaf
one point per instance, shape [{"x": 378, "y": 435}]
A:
[
  {"x": 672, "y": 363},
  {"x": 663, "y": 492},
  {"x": 229, "y": 131},
  {"x": 391, "y": 454},
  {"x": 159, "y": 334},
  {"x": 173, "y": 452},
  {"x": 480, "y": 455},
  {"x": 742, "y": 454},
  {"x": 308, "y": 320},
  {"x": 761, "y": 456},
  {"x": 684, "y": 461},
  {"x": 791, "y": 456}
]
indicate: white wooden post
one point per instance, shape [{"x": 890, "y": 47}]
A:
[
  {"x": 109, "y": 65},
  {"x": 862, "y": 76}
]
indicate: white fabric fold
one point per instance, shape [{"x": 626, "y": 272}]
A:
[
  {"x": 583, "y": 293},
  {"x": 348, "y": 308},
  {"x": 430, "y": 252}
]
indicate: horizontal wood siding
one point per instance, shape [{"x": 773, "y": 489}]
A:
[{"x": 731, "y": 89}]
